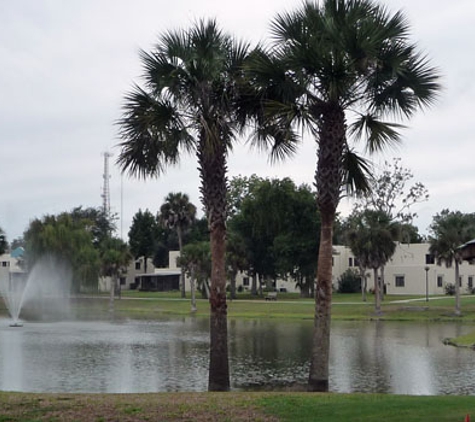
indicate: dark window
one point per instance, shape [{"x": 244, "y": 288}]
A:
[
  {"x": 460, "y": 281},
  {"x": 137, "y": 265},
  {"x": 245, "y": 281},
  {"x": 470, "y": 281},
  {"x": 122, "y": 281},
  {"x": 400, "y": 282},
  {"x": 430, "y": 259},
  {"x": 333, "y": 261},
  {"x": 350, "y": 262},
  {"x": 4, "y": 263},
  {"x": 357, "y": 262},
  {"x": 440, "y": 280}
]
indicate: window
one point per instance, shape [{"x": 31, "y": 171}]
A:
[
  {"x": 430, "y": 259},
  {"x": 137, "y": 265},
  {"x": 5, "y": 263},
  {"x": 440, "y": 280},
  {"x": 470, "y": 281},
  {"x": 333, "y": 262},
  {"x": 357, "y": 262},
  {"x": 122, "y": 281},
  {"x": 245, "y": 281},
  {"x": 460, "y": 281},
  {"x": 350, "y": 262},
  {"x": 400, "y": 282}
]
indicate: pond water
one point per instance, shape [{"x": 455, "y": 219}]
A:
[{"x": 172, "y": 355}]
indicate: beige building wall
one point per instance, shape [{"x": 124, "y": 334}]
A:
[{"x": 406, "y": 272}]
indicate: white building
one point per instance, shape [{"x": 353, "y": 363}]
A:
[{"x": 411, "y": 271}]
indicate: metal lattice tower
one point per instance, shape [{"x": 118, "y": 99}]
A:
[{"x": 106, "y": 200}]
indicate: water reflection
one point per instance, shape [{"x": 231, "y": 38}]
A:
[{"x": 172, "y": 355}]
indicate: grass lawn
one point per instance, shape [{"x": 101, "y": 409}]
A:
[
  {"x": 234, "y": 406},
  {"x": 345, "y": 307}
]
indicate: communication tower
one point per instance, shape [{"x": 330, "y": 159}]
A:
[{"x": 106, "y": 200}]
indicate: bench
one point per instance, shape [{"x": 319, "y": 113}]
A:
[{"x": 271, "y": 296}]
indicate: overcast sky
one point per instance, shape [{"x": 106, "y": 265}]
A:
[{"x": 66, "y": 65}]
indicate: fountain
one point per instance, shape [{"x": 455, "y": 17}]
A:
[{"x": 43, "y": 293}]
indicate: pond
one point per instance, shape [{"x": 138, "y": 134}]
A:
[{"x": 172, "y": 355}]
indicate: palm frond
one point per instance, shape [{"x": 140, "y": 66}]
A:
[
  {"x": 376, "y": 134},
  {"x": 152, "y": 133},
  {"x": 357, "y": 174}
]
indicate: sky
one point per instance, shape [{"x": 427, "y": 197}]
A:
[{"x": 66, "y": 66}]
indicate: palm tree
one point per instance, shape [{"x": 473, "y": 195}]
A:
[
  {"x": 372, "y": 240},
  {"x": 114, "y": 256},
  {"x": 195, "y": 260},
  {"x": 178, "y": 213},
  {"x": 449, "y": 230},
  {"x": 3, "y": 242},
  {"x": 189, "y": 103},
  {"x": 331, "y": 60}
]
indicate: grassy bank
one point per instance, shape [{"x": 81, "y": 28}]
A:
[
  {"x": 265, "y": 407},
  {"x": 345, "y": 307}
]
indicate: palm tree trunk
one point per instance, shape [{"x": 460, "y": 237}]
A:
[
  {"x": 363, "y": 283},
  {"x": 457, "y": 289},
  {"x": 193, "y": 289},
  {"x": 328, "y": 177},
  {"x": 112, "y": 293},
  {"x": 319, "y": 361},
  {"x": 377, "y": 296},
  {"x": 212, "y": 166},
  {"x": 219, "y": 366},
  {"x": 182, "y": 272}
]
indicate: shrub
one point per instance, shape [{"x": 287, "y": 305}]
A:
[
  {"x": 349, "y": 282},
  {"x": 449, "y": 289}
]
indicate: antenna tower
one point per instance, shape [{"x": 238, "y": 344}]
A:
[{"x": 106, "y": 200}]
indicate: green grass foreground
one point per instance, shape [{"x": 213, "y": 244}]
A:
[{"x": 234, "y": 406}]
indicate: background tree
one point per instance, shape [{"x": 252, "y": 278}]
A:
[
  {"x": 115, "y": 256},
  {"x": 392, "y": 194},
  {"x": 450, "y": 230},
  {"x": 178, "y": 213},
  {"x": 143, "y": 235},
  {"x": 196, "y": 261},
  {"x": 236, "y": 259},
  {"x": 372, "y": 240},
  {"x": 190, "y": 103},
  {"x": 296, "y": 246},
  {"x": 3, "y": 242},
  {"x": 70, "y": 240},
  {"x": 329, "y": 58}
]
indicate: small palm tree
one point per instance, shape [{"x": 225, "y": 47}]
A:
[
  {"x": 449, "y": 230},
  {"x": 195, "y": 260},
  {"x": 178, "y": 213},
  {"x": 3, "y": 242},
  {"x": 189, "y": 103},
  {"x": 372, "y": 240},
  {"x": 331, "y": 60},
  {"x": 114, "y": 257}
]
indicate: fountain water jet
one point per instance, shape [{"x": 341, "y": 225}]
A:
[{"x": 45, "y": 292}]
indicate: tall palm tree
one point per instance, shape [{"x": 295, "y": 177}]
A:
[
  {"x": 333, "y": 60},
  {"x": 178, "y": 213},
  {"x": 189, "y": 103},
  {"x": 449, "y": 230}
]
